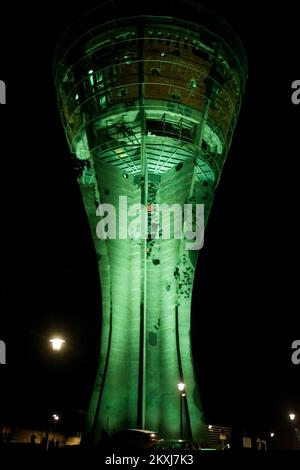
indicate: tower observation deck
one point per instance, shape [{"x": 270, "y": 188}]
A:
[{"x": 149, "y": 104}]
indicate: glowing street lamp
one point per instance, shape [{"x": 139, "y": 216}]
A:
[
  {"x": 56, "y": 343},
  {"x": 56, "y": 418},
  {"x": 272, "y": 434},
  {"x": 292, "y": 416},
  {"x": 182, "y": 394}
]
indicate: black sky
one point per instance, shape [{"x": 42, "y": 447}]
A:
[{"x": 245, "y": 311}]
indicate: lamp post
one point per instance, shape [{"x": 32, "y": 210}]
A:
[
  {"x": 56, "y": 343},
  {"x": 56, "y": 418},
  {"x": 181, "y": 389},
  {"x": 293, "y": 417}
]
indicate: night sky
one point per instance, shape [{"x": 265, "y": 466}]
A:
[{"x": 245, "y": 312}]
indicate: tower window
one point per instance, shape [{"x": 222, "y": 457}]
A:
[
  {"x": 155, "y": 72},
  {"x": 193, "y": 83},
  {"x": 152, "y": 338},
  {"x": 175, "y": 97},
  {"x": 179, "y": 166},
  {"x": 103, "y": 101},
  {"x": 122, "y": 92},
  {"x": 128, "y": 58},
  {"x": 176, "y": 52}
]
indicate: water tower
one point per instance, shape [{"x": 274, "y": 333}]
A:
[{"x": 149, "y": 101}]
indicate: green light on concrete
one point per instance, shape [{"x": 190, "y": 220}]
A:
[{"x": 144, "y": 145}]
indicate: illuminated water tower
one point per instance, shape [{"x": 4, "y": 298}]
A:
[{"x": 149, "y": 104}]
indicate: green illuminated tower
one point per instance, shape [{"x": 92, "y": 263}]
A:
[{"x": 149, "y": 104}]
